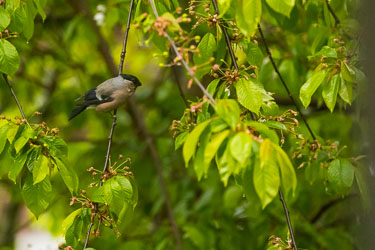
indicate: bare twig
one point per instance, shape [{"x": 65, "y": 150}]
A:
[
  {"x": 174, "y": 70},
  {"x": 123, "y": 52},
  {"x": 283, "y": 82},
  {"x": 179, "y": 56},
  {"x": 81, "y": 6},
  {"x": 229, "y": 45},
  {"x": 337, "y": 20},
  {"x": 294, "y": 245},
  {"x": 14, "y": 95},
  {"x": 104, "y": 170}
]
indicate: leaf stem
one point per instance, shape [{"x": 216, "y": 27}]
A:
[
  {"x": 337, "y": 20},
  {"x": 283, "y": 82},
  {"x": 14, "y": 96},
  {"x": 294, "y": 245}
]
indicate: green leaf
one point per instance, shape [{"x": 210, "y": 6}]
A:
[
  {"x": 254, "y": 55},
  {"x": 330, "y": 90},
  {"x": 275, "y": 125},
  {"x": 28, "y": 25},
  {"x": 12, "y": 4},
  {"x": 248, "y": 13},
  {"x": 67, "y": 223},
  {"x": 227, "y": 165},
  {"x": 249, "y": 95},
  {"x": 327, "y": 52},
  {"x": 264, "y": 131},
  {"x": 207, "y": 47},
  {"x": 18, "y": 18},
  {"x": 40, "y": 169},
  {"x": 363, "y": 187},
  {"x": 4, "y": 19},
  {"x": 347, "y": 73},
  {"x": 240, "y": 147},
  {"x": 180, "y": 139},
  {"x": 17, "y": 166},
  {"x": 283, "y": 7},
  {"x": 345, "y": 90},
  {"x": 56, "y": 146},
  {"x": 213, "y": 146},
  {"x": 341, "y": 175},
  {"x": 9, "y": 58},
  {"x": 40, "y": 9},
  {"x": 37, "y": 197},
  {"x": 3, "y": 137},
  {"x": 266, "y": 174},
  {"x": 310, "y": 86},
  {"x": 26, "y": 134},
  {"x": 199, "y": 161},
  {"x": 288, "y": 175},
  {"x": 73, "y": 234},
  {"x": 211, "y": 88},
  {"x": 191, "y": 141},
  {"x": 68, "y": 174},
  {"x": 229, "y": 111},
  {"x": 223, "y": 6},
  {"x": 12, "y": 132}
]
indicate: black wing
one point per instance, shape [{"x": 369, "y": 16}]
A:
[{"x": 90, "y": 98}]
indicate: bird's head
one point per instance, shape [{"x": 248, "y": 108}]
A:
[{"x": 132, "y": 78}]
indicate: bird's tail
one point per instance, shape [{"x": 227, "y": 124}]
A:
[{"x": 77, "y": 111}]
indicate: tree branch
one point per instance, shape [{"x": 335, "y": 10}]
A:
[
  {"x": 337, "y": 20},
  {"x": 81, "y": 7},
  {"x": 294, "y": 245},
  {"x": 229, "y": 45},
  {"x": 283, "y": 82},
  {"x": 14, "y": 95},
  {"x": 123, "y": 52},
  {"x": 179, "y": 56}
]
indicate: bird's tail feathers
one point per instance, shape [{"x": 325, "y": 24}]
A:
[{"x": 77, "y": 111}]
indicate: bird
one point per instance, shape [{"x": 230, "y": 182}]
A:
[{"x": 108, "y": 95}]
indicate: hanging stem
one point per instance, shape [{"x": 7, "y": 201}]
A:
[
  {"x": 337, "y": 20},
  {"x": 294, "y": 245},
  {"x": 283, "y": 82},
  {"x": 14, "y": 96}
]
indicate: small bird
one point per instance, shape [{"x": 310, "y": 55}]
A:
[{"x": 108, "y": 95}]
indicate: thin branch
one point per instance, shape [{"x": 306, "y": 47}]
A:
[
  {"x": 283, "y": 82},
  {"x": 229, "y": 45},
  {"x": 136, "y": 114},
  {"x": 337, "y": 20},
  {"x": 294, "y": 245},
  {"x": 179, "y": 56},
  {"x": 14, "y": 96},
  {"x": 179, "y": 85},
  {"x": 123, "y": 52},
  {"x": 114, "y": 118}
]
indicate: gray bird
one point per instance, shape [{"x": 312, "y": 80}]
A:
[{"x": 108, "y": 95}]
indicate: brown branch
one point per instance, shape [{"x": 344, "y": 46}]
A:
[
  {"x": 179, "y": 56},
  {"x": 294, "y": 245},
  {"x": 283, "y": 82},
  {"x": 174, "y": 70},
  {"x": 229, "y": 45},
  {"x": 14, "y": 95},
  {"x": 337, "y": 20},
  {"x": 81, "y": 7}
]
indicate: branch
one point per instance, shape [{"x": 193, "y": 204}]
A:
[
  {"x": 229, "y": 45},
  {"x": 179, "y": 56},
  {"x": 294, "y": 245},
  {"x": 337, "y": 20},
  {"x": 81, "y": 7},
  {"x": 179, "y": 85},
  {"x": 123, "y": 52},
  {"x": 14, "y": 96},
  {"x": 104, "y": 170},
  {"x": 283, "y": 82}
]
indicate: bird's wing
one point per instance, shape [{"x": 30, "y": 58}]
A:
[{"x": 91, "y": 97}]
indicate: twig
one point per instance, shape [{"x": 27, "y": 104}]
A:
[
  {"x": 123, "y": 52},
  {"x": 294, "y": 245},
  {"x": 283, "y": 82},
  {"x": 229, "y": 45},
  {"x": 14, "y": 95},
  {"x": 179, "y": 85},
  {"x": 179, "y": 56},
  {"x": 337, "y": 20},
  {"x": 81, "y": 6}
]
